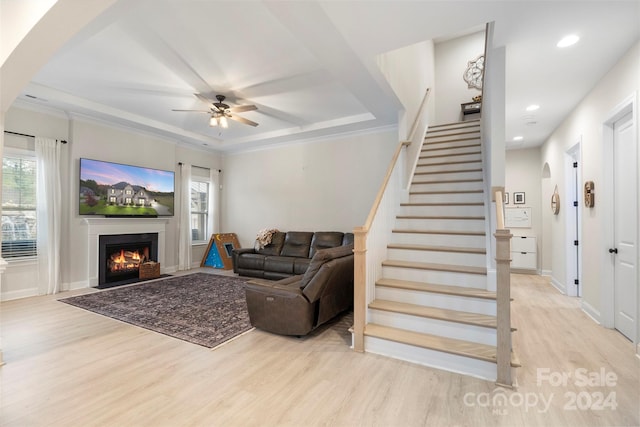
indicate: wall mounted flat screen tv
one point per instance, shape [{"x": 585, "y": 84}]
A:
[{"x": 114, "y": 189}]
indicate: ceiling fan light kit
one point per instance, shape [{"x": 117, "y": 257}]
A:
[{"x": 221, "y": 112}]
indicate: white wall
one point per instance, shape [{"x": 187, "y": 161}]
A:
[
  {"x": 586, "y": 124},
  {"x": 324, "y": 185},
  {"x": 451, "y": 58},
  {"x": 95, "y": 140},
  {"x": 411, "y": 71},
  {"x": 523, "y": 174}
]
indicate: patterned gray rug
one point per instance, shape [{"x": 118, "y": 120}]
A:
[{"x": 200, "y": 308}]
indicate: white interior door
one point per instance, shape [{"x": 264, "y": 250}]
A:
[{"x": 625, "y": 227}]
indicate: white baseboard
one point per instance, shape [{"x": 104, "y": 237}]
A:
[
  {"x": 22, "y": 293},
  {"x": 172, "y": 269},
  {"x": 546, "y": 273},
  {"x": 559, "y": 286},
  {"x": 591, "y": 312},
  {"x": 82, "y": 284}
]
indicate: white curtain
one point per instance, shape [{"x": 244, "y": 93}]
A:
[
  {"x": 213, "y": 225},
  {"x": 49, "y": 221},
  {"x": 184, "y": 228}
]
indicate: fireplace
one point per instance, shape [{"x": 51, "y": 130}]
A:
[{"x": 120, "y": 256}]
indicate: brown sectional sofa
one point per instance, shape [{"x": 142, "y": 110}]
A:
[
  {"x": 287, "y": 255},
  {"x": 302, "y": 300}
]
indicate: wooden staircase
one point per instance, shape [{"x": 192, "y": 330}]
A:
[{"x": 431, "y": 305}]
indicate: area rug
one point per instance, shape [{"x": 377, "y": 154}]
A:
[{"x": 204, "y": 309}]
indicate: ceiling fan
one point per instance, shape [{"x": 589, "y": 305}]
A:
[{"x": 220, "y": 112}]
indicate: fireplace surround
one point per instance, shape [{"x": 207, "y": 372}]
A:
[
  {"x": 120, "y": 256},
  {"x": 97, "y": 227}
]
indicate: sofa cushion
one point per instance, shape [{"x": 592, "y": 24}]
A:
[
  {"x": 300, "y": 265},
  {"x": 324, "y": 240},
  {"x": 320, "y": 258},
  {"x": 279, "y": 264},
  {"x": 275, "y": 247},
  {"x": 347, "y": 239},
  {"x": 251, "y": 261},
  {"x": 297, "y": 244}
]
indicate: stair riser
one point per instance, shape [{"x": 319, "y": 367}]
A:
[
  {"x": 445, "y": 168},
  {"x": 442, "y": 210},
  {"x": 430, "y": 299},
  {"x": 447, "y": 176},
  {"x": 437, "y": 257},
  {"x": 478, "y": 281},
  {"x": 467, "y": 157},
  {"x": 437, "y": 327},
  {"x": 474, "y": 132},
  {"x": 432, "y": 358},
  {"x": 440, "y": 224},
  {"x": 439, "y": 240},
  {"x": 452, "y": 148},
  {"x": 447, "y": 198},
  {"x": 452, "y": 186}
]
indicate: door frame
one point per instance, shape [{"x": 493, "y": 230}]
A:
[
  {"x": 573, "y": 220},
  {"x": 607, "y": 291}
]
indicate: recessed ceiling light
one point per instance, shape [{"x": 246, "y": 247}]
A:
[
  {"x": 569, "y": 40},
  {"x": 518, "y": 138},
  {"x": 533, "y": 107}
]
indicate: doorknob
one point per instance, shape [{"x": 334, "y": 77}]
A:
[{"x": 613, "y": 250}]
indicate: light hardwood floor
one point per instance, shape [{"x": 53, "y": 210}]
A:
[{"x": 69, "y": 367}]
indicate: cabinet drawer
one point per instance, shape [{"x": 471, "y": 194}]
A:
[
  {"x": 526, "y": 260},
  {"x": 523, "y": 244}
]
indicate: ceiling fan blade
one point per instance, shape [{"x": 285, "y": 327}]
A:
[
  {"x": 194, "y": 111},
  {"x": 204, "y": 99},
  {"x": 242, "y": 120},
  {"x": 242, "y": 108}
]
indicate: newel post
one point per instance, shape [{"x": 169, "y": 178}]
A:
[
  {"x": 359, "y": 286},
  {"x": 503, "y": 300}
]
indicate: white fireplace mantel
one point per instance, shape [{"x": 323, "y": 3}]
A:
[{"x": 109, "y": 226}]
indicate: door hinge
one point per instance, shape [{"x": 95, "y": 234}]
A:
[
  {"x": 575, "y": 243},
  {"x": 576, "y": 282},
  {"x": 575, "y": 164},
  {"x": 575, "y": 204}
]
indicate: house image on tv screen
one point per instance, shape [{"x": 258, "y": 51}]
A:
[{"x": 124, "y": 194}]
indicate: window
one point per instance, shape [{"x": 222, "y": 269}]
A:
[
  {"x": 199, "y": 210},
  {"x": 18, "y": 206}
]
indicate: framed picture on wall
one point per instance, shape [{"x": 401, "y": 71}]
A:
[
  {"x": 518, "y": 198},
  {"x": 506, "y": 198}
]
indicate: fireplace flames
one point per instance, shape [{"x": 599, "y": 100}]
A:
[{"x": 125, "y": 261}]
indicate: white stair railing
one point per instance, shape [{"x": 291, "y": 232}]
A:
[
  {"x": 370, "y": 243},
  {"x": 503, "y": 295}
]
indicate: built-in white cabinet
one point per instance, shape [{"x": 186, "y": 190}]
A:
[{"x": 524, "y": 253}]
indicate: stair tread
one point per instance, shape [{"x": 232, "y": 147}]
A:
[
  {"x": 458, "y": 162},
  {"x": 454, "y": 316},
  {"x": 448, "y": 181},
  {"x": 434, "y": 156},
  {"x": 444, "y": 204},
  {"x": 454, "y": 125},
  {"x": 449, "y": 171},
  {"x": 433, "y": 266},
  {"x": 457, "y": 233},
  {"x": 447, "y": 192},
  {"x": 439, "y": 289},
  {"x": 433, "y": 342},
  {"x": 454, "y": 147},
  {"x": 458, "y": 249},
  {"x": 451, "y": 217}
]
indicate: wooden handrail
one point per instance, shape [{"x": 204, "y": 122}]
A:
[
  {"x": 499, "y": 210},
  {"x": 416, "y": 120},
  {"x": 383, "y": 188},
  {"x": 503, "y": 295}
]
